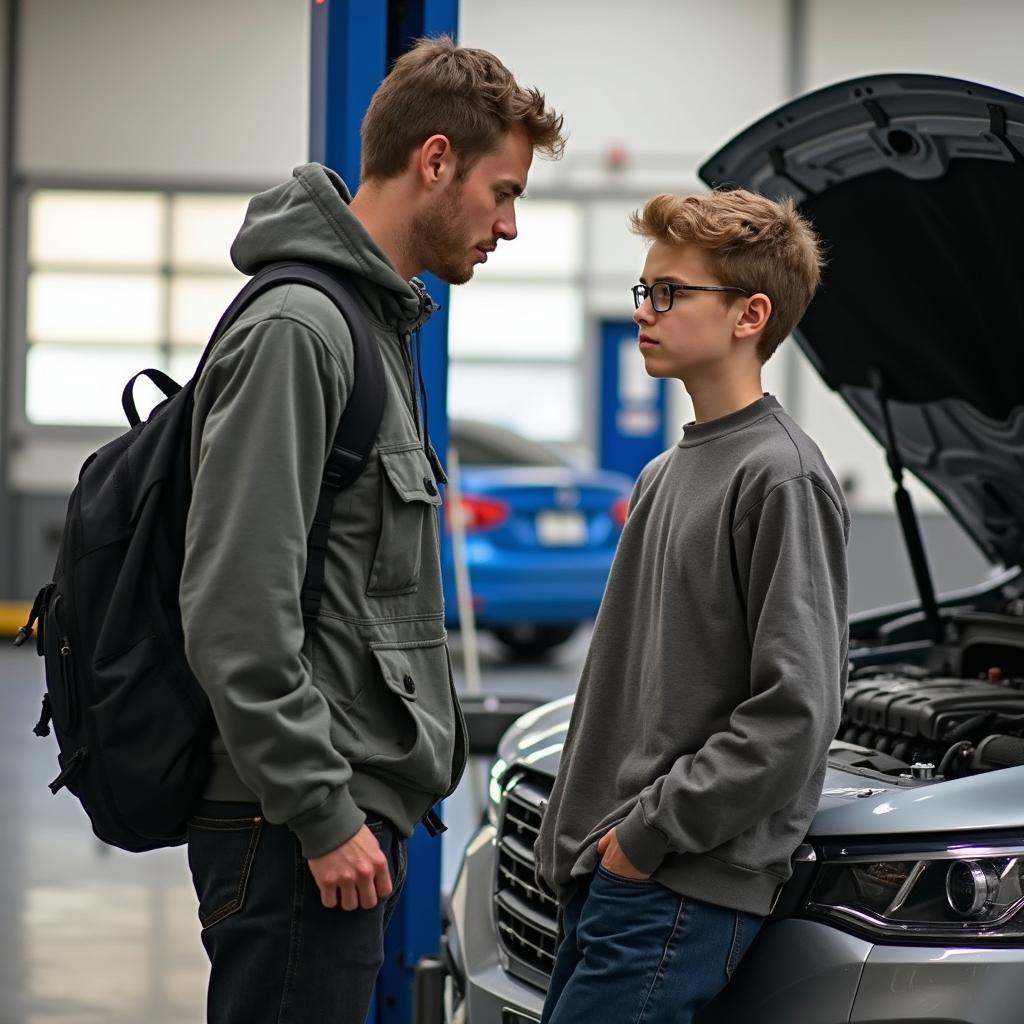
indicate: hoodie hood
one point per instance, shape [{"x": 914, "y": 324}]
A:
[{"x": 308, "y": 218}]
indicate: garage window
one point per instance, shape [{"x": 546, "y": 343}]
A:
[
  {"x": 118, "y": 281},
  {"x": 516, "y": 333}
]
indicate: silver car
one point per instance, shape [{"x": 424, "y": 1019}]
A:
[{"x": 907, "y": 898}]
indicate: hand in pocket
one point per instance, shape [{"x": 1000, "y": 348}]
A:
[{"x": 613, "y": 858}]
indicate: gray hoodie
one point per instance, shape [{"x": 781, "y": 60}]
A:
[{"x": 363, "y": 719}]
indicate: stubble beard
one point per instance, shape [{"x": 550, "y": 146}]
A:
[{"x": 440, "y": 235}]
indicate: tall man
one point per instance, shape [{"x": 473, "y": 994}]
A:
[{"x": 330, "y": 749}]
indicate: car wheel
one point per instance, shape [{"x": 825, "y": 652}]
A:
[{"x": 529, "y": 642}]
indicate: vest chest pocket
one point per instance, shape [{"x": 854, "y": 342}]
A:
[{"x": 409, "y": 497}]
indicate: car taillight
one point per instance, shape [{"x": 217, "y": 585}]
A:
[
  {"x": 481, "y": 513},
  {"x": 620, "y": 509}
]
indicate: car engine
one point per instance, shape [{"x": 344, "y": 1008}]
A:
[{"x": 961, "y": 711}]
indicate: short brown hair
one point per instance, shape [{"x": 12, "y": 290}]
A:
[
  {"x": 748, "y": 241},
  {"x": 467, "y": 95}
]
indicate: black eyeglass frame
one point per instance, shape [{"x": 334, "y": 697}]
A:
[{"x": 641, "y": 292}]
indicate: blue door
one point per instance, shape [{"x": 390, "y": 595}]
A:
[{"x": 633, "y": 407}]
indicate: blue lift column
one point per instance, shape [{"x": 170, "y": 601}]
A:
[{"x": 353, "y": 43}]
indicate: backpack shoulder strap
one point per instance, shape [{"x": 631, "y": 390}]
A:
[
  {"x": 353, "y": 440},
  {"x": 360, "y": 419}
]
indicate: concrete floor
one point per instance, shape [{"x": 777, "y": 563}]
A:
[{"x": 91, "y": 935}]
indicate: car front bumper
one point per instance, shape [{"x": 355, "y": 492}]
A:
[
  {"x": 797, "y": 972},
  {"x": 489, "y": 993}
]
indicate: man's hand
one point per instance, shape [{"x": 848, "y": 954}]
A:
[
  {"x": 614, "y": 860},
  {"x": 355, "y": 874}
]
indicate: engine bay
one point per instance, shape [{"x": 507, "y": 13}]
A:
[{"x": 957, "y": 710}]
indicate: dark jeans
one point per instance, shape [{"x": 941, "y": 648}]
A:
[
  {"x": 277, "y": 955},
  {"x": 635, "y": 952}
]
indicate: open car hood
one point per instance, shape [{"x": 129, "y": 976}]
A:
[{"x": 916, "y": 185}]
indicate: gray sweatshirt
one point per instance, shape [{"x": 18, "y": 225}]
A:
[{"x": 715, "y": 675}]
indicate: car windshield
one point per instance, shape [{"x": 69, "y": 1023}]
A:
[{"x": 484, "y": 444}]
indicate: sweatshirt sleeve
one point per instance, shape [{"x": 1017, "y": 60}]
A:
[
  {"x": 791, "y": 557},
  {"x": 265, "y": 408}
]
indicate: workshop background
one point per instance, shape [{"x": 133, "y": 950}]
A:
[{"x": 147, "y": 125}]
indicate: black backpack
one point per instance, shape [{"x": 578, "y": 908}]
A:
[{"x": 131, "y": 720}]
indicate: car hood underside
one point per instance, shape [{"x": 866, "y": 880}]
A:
[{"x": 916, "y": 186}]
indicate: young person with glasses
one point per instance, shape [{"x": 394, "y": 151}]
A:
[{"x": 696, "y": 751}]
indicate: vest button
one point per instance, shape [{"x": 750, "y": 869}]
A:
[
  {"x": 428, "y": 486},
  {"x": 409, "y": 684}
]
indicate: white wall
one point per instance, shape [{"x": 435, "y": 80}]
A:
[
  {"x": 668, "y": 79},
  {"x": 208, "y": 90},
  {"x": 979, "y": 41}
]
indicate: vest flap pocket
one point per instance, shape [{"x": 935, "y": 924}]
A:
[
  {"x": 397, "y": 669},
  {"x": 408, "y": 724},
  {"x": 408, "y": 522},
  {"x": 411, "y": 475}
]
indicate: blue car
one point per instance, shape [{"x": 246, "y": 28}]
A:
[{"x": 540, "y": 536}]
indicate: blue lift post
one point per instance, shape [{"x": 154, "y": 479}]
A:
[{"x": 353, "y": 43}]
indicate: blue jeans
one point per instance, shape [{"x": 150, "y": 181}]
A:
[
  {"x": 277, "y": 954},
  {"x": 635, "y": 952}
]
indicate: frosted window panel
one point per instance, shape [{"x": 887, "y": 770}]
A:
[
  {"x": 103, "y": 228},
  {"x": 615, "y": 250},
  {"x": 549, "y": 242},
  {"x": 95, "y": 307},
  {"x": 526, "y": 321},
  {"x": 81, "y": 385},
  {"x": 184, "y": 361},
  {"x": 539, "y": 401},
  {"x": 197, "y": 304},
  {"x": 203, "y": 228}
]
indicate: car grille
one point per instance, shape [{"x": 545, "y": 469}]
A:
[{"x": 526, "y": 915}]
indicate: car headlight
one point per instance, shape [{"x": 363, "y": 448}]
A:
[{"x": 929, "y": 893}]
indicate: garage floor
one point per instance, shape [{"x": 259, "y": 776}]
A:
[{"x": 90, "y": 935}]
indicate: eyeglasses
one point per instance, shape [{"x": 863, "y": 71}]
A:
[{"x": 661, "y": 293}]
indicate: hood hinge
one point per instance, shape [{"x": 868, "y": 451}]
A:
[{"x": 997, "y": 127}]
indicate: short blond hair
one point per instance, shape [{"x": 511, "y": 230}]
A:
[
  {"x": 748, "y": 241},
  {"x": 465, "y": 94}
]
